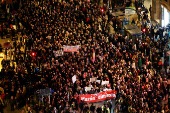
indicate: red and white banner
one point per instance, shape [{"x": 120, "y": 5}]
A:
[
  {"x": 97, "y": 97},
  {"x": 71, "y": 48}
]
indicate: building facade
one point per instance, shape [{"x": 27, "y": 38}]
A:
[{"x": 161, "y": 12}]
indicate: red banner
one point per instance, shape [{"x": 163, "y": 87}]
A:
[
  {"x": 71, "y": 48},
  {"x": 97, "y": 97}
]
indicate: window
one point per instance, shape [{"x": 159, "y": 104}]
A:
[
  {"x": 165, "y": 16},
  {"x": 169, "y": 17},
  {"x": 162, "y": 8}
]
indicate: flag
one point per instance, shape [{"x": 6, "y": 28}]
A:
[{"x": 93, "y": 55}]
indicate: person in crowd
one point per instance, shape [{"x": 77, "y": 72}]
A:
[
  {"x": 136, "y": 4},
  {"x": 86, "y": 109},
  {"x": 99, "y": 109},
  {"x": 133, "y": 21},
  {"x": 2, "y": 105},
  {"x": 92, "y": 108},
  {"x": 12, "y": 102}
]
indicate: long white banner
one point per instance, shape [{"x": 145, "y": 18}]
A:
[{"x": 67, "y": 48}]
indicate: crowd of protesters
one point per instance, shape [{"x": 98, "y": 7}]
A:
[{"x": 127, "y": 65}]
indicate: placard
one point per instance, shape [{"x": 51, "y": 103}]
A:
[
  {"x": 87, "y": 88},
  {"x": 44, "y": 92},
  {"x": 58, "y": 53},
  {"x": 98, "y": 81},
  {"x": 105, "y": 82},
  {"x": 74, "y": 79},
  {"x": 93, "y": 79},
  {"x": 130, "y": 10}
]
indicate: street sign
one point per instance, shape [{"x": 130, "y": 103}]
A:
[
  {"x": 130, "y": 10},
  {"x": 44, "y": 92}
]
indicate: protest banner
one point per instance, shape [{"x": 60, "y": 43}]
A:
[
  {"x": 97, "y": 97},
  {"x": 71, "y": 48},
  {"x": 58, "y": 53}
]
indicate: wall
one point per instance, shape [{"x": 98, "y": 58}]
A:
[{"x": 157, "y": 11}]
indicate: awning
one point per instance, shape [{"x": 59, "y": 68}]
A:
[
  {"x": 117, "y": 14},
  {"x": 130, "y": 26},
  {"x": 134, "y": 32}
]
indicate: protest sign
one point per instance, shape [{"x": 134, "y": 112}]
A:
[
  {"x": 93, "y": 79},
  {"x": 67, "y": 48},
  {"x": 87, "y": 88},
  {"x": 45, "y": 91},
  {"x": 74, "y": 79},
  {"x": 98, "y": 81},
  {"x": 58, "y": 53},
  {"x": 105, "y": 82}
]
